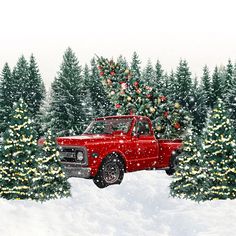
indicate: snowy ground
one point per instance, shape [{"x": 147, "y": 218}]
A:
[{"x": 139, "y": 206}]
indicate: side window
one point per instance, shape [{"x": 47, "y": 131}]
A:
[{"x": 143, "y": 127}]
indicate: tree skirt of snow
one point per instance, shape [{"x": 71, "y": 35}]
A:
[{"x": 139, "y": 206}]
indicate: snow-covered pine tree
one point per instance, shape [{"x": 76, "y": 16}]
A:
[
  {"x": 122, "y": 61},
  {"x": 18, "y": 163},
  {"x": 66, "y": 109},
  {"x": 171, "y": 87},
  {"x": 160, "y": 84},
  {"x": 189, "y": 175},
  {"x": 25, "y": 82},
  {"x": 219, "y": 150},
  {"x": 198, "y": 108},
  {"x": 207, "y": 86},
  {"x": 135, "y": 67},
  {"x": 36, "y": 88},
  {"x": 183, "y": 83},
  {"x": 6, "y": 99},
  {"x": 228, "y": 77},
  {"x": 148, "y": 75},
  {"x": 36, "y": 93},
  {"x": 52, "y": 182},
  {"x": 21, "y": 84},
  {"x": 87, "y": 103},
  {"x": 216, "y": 86},
  {"x": 230, "y": 99},
  {"x": 100, "y": 101}
]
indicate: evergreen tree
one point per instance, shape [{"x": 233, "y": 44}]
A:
[
  {"x": 183, "y": 82},
  {"x": 100, "y": 101},
  {"x": 21, "y": 85},
  {"x": 189, "y": 175},
  {"x": 198, "y": 108},
  {"x": 25, "y": 82},
  {"x": 219, "y": 156},
  {"x": 207, "y": 86},
  {"x": 216, "y": 85},
  {"x": 135, "y": 67},
  {"x": 87, "y": 103},
  {"x": 149, "y": 75},
  {"x": 228, "y": 78},
  {"x": 36, "y": 92},
  {"x": 6, "y": 96},
  {"x": 18, "y": 163},
  {"x": 122, "y": 61},
  {"x": 66, "y": 108},
  {"x": 171, "y": 87},
  {"x": 230, "y": 99},
  {"x": 160, "y": 79},
  {"x": 52, "y": 182}
]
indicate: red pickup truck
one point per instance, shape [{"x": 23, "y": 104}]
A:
[{"x": 113, "y": 145}]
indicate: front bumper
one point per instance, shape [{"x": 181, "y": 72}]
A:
[{"x": 74, "y": 170}]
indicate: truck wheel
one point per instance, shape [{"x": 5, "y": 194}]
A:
[
  {"x": 110, "y": 172},
  {"x": 173, "y": 164}
]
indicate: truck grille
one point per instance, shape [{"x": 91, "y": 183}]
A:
[{"x": 68, "y": 155}]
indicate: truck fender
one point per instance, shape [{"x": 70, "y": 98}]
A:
[{"x": 116, "y": 154}]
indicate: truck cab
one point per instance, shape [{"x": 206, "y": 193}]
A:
[{"x": 113, "y": 145}]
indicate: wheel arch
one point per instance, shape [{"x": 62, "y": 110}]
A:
[{"x": 117, "y": 154}]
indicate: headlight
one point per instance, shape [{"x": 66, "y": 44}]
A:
[{"x": 79, "y": 156}]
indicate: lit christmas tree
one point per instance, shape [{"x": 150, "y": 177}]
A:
[
  {"x": 18, "y": 163},
  {"x": 130, "y": 96},
  {"x": 190, "y": 175},
  {"x": 219, "y": 150},
  {"x": 52, "y": 182}
]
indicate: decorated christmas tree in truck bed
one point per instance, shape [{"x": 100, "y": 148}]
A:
[{"x": 130, "y": 95}]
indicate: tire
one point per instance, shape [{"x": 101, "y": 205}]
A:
[
  {"x": 110, "y": 172},
  {"x": 173, "y": 164}
]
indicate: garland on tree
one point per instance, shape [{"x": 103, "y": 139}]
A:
[
  {"x": 190, "y": 175},
  {"x": 25, "y": 171},
  {"x": 52, "y": 182},
  {"x": 18, "y": 163},
  {"x": 207, "y": 167},
  {"x": 219, "y": 153},
  {"x": 130, "y": 97}
]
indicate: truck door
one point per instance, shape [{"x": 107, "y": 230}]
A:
[{"x": 146, "y": 145}]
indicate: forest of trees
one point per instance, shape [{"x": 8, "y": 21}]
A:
[{"x": 77, "y": 94}]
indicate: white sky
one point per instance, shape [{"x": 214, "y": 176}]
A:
[{"x": 201, "y": 31}]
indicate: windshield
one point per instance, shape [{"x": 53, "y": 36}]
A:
[{"x": 108, "y": 126}]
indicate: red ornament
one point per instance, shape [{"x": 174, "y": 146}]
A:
[
  {"x": 148, "y": 95},
  {"x": 101, "y": 73},
  {"x": 100, "y": 68},
  {"x": 166, "y": 113},
  {"x": 118, "y": 106},
  {"x": 177, "y": 125},
  {"x": 136, "y": 83},
  {"x": 138, "y": 91},
  {"x": 112, "y": 73},
  {"x": 163, "y": 98}
]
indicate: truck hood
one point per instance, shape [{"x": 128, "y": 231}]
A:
[{"x": 83, "y": 140}]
